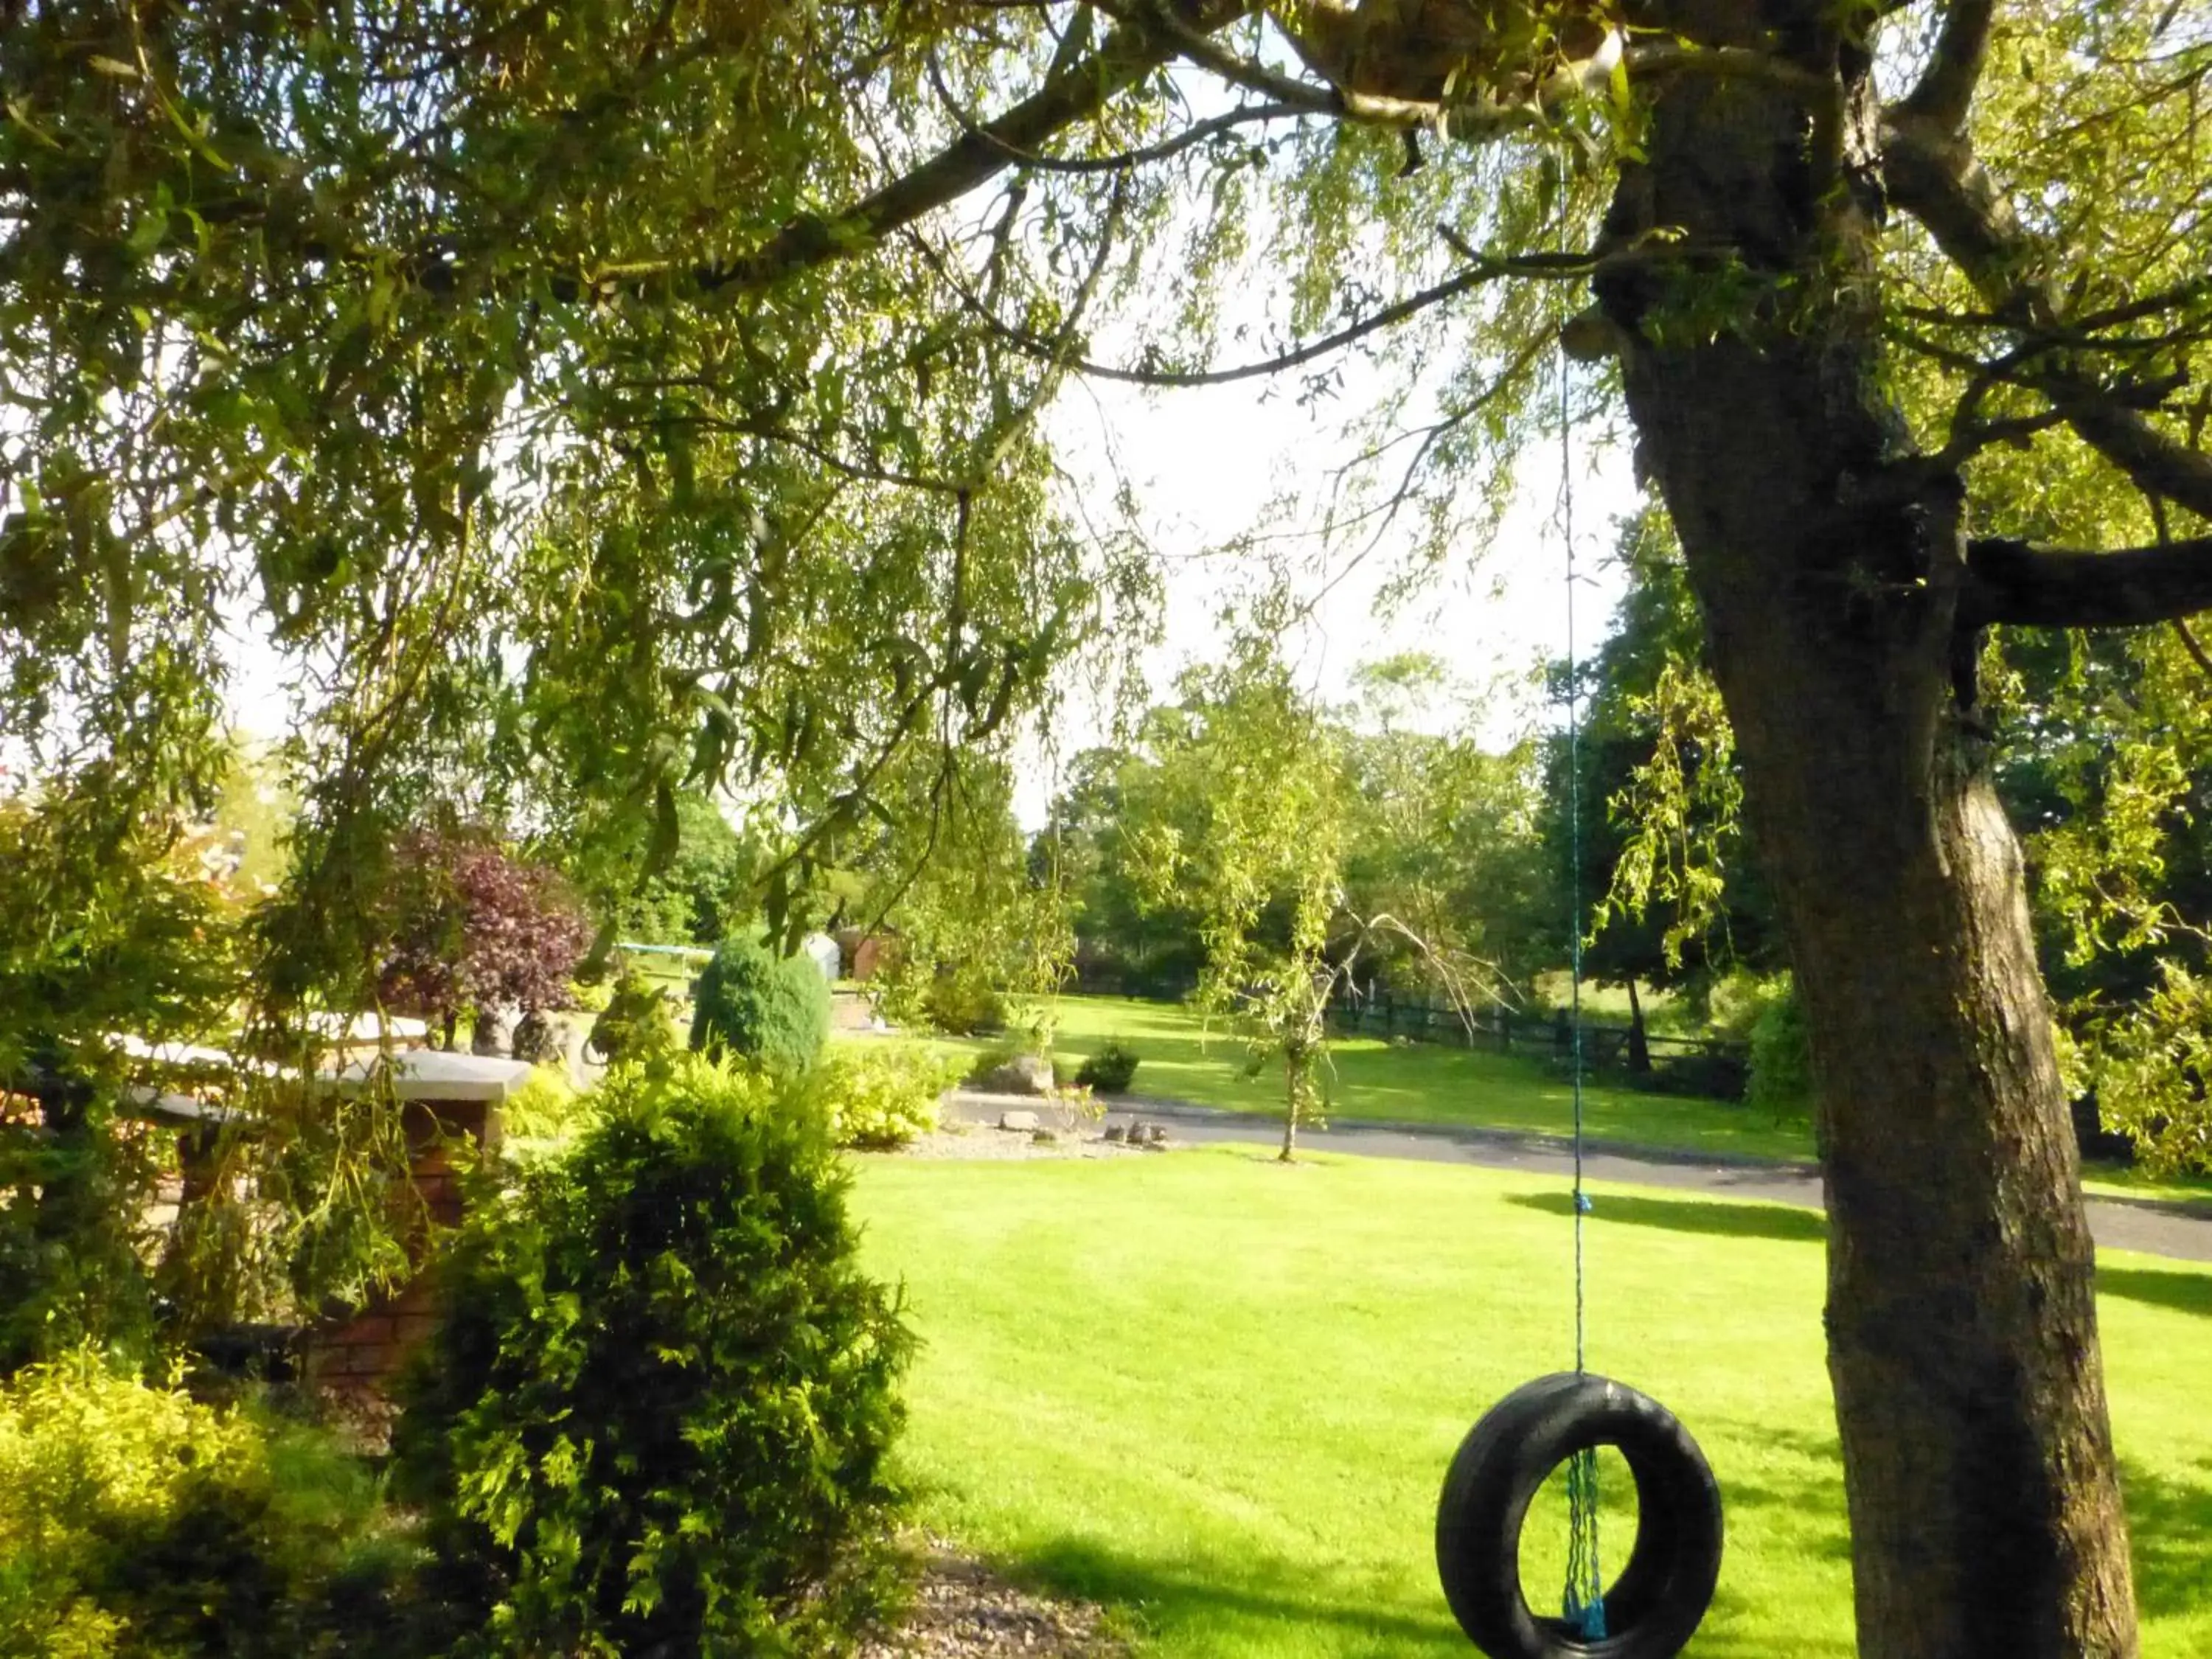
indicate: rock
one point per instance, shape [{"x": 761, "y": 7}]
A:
[
  {"x": 536, "y": 1040},
  {"x": 1024, "y": 1074},
  {"x": 1019, "y": 1121},
  {"x": 495, "y": 1034}
]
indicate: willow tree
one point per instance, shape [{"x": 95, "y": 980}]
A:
[{"x": 603, "y": 398}]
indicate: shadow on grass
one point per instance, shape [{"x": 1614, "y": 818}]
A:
[
  {"x": 2169, "y": 1517},
  {"x": 1167, "y": 1597},
  {"x": 2189, "y": 1293},
  {"x": 1690, "y": 1215},
  {"x": 1250, "y": 1614}
]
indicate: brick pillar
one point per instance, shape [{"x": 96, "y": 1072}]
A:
[{"x": 362, "y": 1354}]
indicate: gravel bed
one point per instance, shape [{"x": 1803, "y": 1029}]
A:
[{"x": 963, "y": 1609}]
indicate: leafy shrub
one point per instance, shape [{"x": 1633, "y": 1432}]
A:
[
  {"x": 961, "y": 1004},
  {"x": 546, "y": 1106},
  {"x": 468, "y": 927},
  {"x": 1110, "y": 1071},
  {"x": 1781, "y": 1080},
  {"x": 764, "y": 1007},
  {"x": 1006, "y": 1068},
  {"x": 655, "y": 1415},
  {"x": 880, "y": 1095},
  {"x": 634, "y": 1026},
  {"x": 136, "y": 1521}
]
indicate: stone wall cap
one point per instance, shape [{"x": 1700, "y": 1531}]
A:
[{"x": 436, "y": 1074}]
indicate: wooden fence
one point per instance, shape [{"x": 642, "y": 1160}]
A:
[{"x": 1699, "y": 1065}]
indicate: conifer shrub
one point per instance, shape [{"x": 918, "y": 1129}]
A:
[
  {"x": 755, "y": 1005},
  {"x": 655, "y": 1415},
  {"x": 1109, "y": 1072}
]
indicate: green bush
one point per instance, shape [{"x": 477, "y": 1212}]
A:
[
  {"x": 547, "y": 1107},
  {"x": 633, "y": 1024},
  {"x": 762, "y": 1007},
  {"x": 997, "y": 1058},
  {"x": 880, "y": 1095},
  {"x": 1110, "y": 1071},
  {"x": 655, "y": 1415},
  {"x": 1781, "y": 1080},
  {"x": 961, "y": 1004},
  {"x": 135, "y": 1521}
]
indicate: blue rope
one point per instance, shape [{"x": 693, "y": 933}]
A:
[{"x": 1582, "y": 1604}]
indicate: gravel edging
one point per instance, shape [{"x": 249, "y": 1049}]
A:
[{"x": 963, "y": 1610}]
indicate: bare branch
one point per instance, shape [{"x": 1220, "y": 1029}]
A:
[{"x": 1539, "y": 265}]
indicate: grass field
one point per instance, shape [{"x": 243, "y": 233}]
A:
[
  {"x": 1371, "y": 1080},
  {"x": 1218, "y": 1395}
]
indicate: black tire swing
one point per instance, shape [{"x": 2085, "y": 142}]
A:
[{"x": 1653, "y": 1608}]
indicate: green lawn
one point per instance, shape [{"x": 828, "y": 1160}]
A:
[
  {"x": 1374, "y": 1081},
  {"x": 1218, "y": 1394}
]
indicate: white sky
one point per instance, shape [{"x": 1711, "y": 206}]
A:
[{"x": 1207, "y": 463}]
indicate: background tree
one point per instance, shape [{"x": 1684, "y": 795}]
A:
[
  {"x": 1252, "y": 839},
  {"x": 472, "y": 928},
  {"x": 1654, "y": 847},
  {"x": 1124, "y": 942},
  {"x": 704, "y": 890},
  {"x": 1443, "y": 839}
]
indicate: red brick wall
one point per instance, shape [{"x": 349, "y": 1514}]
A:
[{"x": 362, "y": 1354}]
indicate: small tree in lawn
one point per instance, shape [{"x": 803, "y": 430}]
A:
[
  {"x": 1248, "y": 830},
  {"x": 471, "y": 927}
]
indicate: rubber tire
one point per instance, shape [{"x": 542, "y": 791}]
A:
[{"x": 1655, "y": 1605}]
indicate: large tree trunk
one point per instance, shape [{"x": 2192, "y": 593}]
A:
[{"x": 1984, "y": 1509}]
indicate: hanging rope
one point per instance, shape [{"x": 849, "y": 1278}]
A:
[{"x": 1582, "y": 1604}]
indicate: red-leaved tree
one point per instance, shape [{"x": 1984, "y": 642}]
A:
[{"x": 473, "y": 928}]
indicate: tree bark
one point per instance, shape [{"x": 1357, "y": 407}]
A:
[
  {"x": 1640, "y": 1039},
  {"x": 1985, "y": 1508}
]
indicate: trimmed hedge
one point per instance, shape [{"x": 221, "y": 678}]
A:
[{"x": 763, "y": 1008}]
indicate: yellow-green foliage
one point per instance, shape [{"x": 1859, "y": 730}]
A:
[
  {"x": 136, "y": 1522},
  {"x": 546, "y": 1108},
  {"x": 88, "y": 1457},
  {"x": 881, "y": 1094}
]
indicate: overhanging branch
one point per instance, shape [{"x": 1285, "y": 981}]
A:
[
  {"x": 2032, "y": 585},
  {"x": 1933, "y": 176},
  {"x": 1127, "y": 55}
]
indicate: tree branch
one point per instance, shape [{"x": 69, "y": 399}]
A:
[
  {"x": 1538, "y": 264},
  {"x": 1123, "y": 59},
  {"x": 1946, "y": 91},
  {"x": 1933, "y": 176},
  {"x": 2035, "y": 586},
  {"x": 1197, "y": 133}
]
